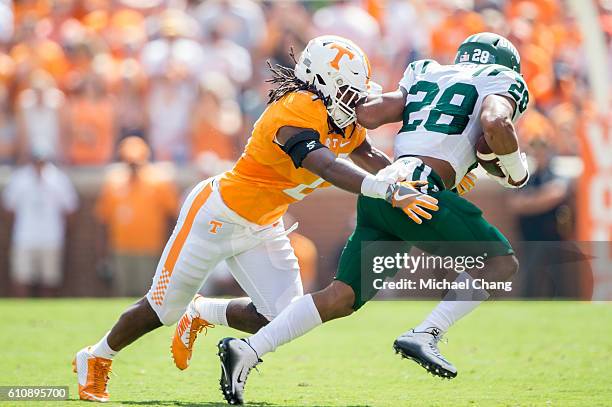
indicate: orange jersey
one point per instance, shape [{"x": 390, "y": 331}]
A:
[
  {"x": 136, "y": 211},
  {"x": 264, "y": 181}
]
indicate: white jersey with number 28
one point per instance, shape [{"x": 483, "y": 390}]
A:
[{"x": 442, "y": 114}]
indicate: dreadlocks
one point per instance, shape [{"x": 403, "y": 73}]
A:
[{"x": 286, "y": 82}]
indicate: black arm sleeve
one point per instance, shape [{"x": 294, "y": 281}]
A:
[{"x": 300, "y": 145}]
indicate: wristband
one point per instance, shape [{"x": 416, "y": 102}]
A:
[
  {"x": 374, "y": 188},
  {"x": 514, "y": 165}
]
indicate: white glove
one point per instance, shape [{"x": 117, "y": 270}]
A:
[
  {"x": 376, "y": 186},
  {"x": 399, "y": 170}
]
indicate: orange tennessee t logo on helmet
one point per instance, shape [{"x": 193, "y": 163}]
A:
[{"x": 341, "y": 52}]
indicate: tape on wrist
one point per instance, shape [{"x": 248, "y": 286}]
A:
[
  {"x": 374, "y": 188},
  {"x": 514, "y": 165}
]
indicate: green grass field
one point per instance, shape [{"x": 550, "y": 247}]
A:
[{"x": 507, "y": 353}]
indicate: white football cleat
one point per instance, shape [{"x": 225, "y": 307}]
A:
[{"x": 237, "y": 359}]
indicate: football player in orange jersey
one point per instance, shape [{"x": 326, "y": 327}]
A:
[{"x": 299, "y": 144}]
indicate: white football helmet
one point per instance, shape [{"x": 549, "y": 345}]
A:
[{"x": 340, "y": 70}]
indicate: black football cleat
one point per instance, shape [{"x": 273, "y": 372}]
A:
[
  {"x": 422, "y": 347},
  {"x": 237, "y": 359}
]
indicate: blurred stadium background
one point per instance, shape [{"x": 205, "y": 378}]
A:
[{"x": 110, "y": 110}]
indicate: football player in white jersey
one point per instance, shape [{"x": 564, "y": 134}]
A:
[{"x": 445, "y": 109}]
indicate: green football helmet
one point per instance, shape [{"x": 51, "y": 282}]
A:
[{"x": 489, "y": 48}]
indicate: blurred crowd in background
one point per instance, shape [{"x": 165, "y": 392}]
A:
[
  {"x": 188, "y": 76},
  {"x": 85, "y": 83}
]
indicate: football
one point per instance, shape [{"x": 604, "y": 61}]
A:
[{"x": 487, "y": 158}]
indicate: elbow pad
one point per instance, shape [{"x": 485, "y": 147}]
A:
[{"x": 300, "y": 145}]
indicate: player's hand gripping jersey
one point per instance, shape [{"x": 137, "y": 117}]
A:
[
  {"x": 441, "y": 118},
  {"x": 265, "y": 181}
]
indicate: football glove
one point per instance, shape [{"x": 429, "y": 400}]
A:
[
  {"x": 404, "y": 195},
  {"x": 466, "y": 184}
]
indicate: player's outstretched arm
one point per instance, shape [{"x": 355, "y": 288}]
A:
[
  {"x": 342, "y": 173},
  {"x": 348, "y": 176},
  {"x": 382, "y": 109},
  {"x": 306, "y": 151},
  {"x": 496, "y": 120}
]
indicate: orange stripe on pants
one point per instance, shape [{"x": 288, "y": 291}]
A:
[{"x": 177, "y": 245}]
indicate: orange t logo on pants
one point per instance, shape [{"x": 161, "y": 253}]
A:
[{"x": 215, "y": 226}]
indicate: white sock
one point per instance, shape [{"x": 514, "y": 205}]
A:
[
  {"x": 102, "y": 350},
  {"x": 455, "y": 305},
  {"x": 214, "y": 310},
  {"x": 299, "y": 317}
]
